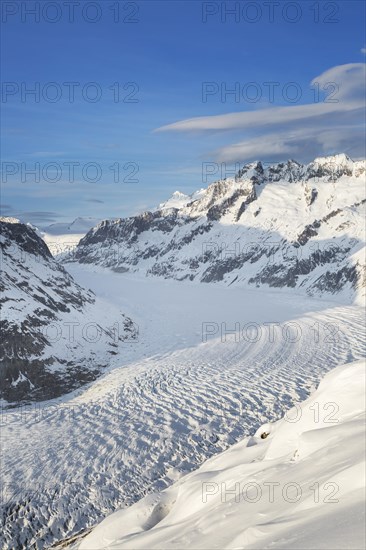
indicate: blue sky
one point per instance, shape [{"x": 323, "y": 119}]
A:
[{"x": 164, "y": 52}]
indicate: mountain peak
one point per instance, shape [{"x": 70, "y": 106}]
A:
[
  {"x": 338, "y": 159},
  {"x": 6, "y": 219},
  {"x": 204, "y": 236},
  {"x": 333, "y": 166}
]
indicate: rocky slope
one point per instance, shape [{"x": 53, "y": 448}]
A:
[
  {"x": 55, "y": 335},
  {"x": 285, "y": 225}
]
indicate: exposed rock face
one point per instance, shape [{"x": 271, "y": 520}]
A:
[
  {"x": 310, "y": 195},
  {"x": 54, "y": 337},
  {"x": 286, "y": 225}
]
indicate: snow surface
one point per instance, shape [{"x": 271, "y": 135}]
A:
[
  {"x": 179, "y": 200},
  {"x": 173, "y": 402},
  {"x": 301, "y": 487}
]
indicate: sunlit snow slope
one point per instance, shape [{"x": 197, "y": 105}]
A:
[
  {"x": 302, "y": 487},
  {"x": 287, "y": 225}
]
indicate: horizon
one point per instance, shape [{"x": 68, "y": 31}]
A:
[{"x": 219, "y": 170}]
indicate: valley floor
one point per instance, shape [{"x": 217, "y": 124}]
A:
[{"x": 181, "y": 394}]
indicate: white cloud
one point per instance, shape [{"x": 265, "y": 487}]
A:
[
  {"x": 363, "y": 50},
  {"x": 349, "y": 79},
  {"x": 295, "y": 130},
  {"x": 298, "y": 144}
]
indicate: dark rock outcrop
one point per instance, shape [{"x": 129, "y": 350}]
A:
[{"x": 40, "y": 356}]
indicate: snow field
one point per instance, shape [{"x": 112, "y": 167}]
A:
[
  {"x": 174, "y": 401},
  {"x": 302, "y": 486}
]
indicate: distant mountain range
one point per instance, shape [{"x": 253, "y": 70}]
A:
[
  {"x": 286, "y": 225},
  {"x": 63, "y": 237},
  {"x": 77, "y": 227}
]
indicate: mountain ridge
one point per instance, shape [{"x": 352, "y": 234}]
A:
[
  {"x": 288, "y": 225},
  {"x": 55, "y": 334}
]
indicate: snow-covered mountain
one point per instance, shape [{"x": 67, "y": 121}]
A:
[
  {"x": 78, "y": 226},
  {"x": 63, "y": 237},
  {"x": 55, "y": 334},
  {"x": 286, "y": 225},
  {"x": 295, "y": 483}
]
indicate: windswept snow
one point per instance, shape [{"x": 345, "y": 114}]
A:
[
  {"x": 186, "y": 391},
  {"x": 301, "y": 487}
]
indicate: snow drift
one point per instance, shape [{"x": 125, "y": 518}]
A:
[{"x": 296, "y": 483}]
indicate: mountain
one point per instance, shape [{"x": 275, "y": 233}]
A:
[
  {"x": 285, "y": 225},
  {"x": 295, "y": 483},
  {"x": 56, "y": 335},
  {"x": 78, "y": 226},
  {"x": 63, "y": 237}
]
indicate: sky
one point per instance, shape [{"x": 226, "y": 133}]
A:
[{"x": 109, "y": 107}]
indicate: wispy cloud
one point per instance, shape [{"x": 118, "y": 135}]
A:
[
  {"x": 33, "y": 216},
  {"x": 349, "y": 78},
  {"x": 296, "y": 144},
  {"x": 286, "y": 130}
]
